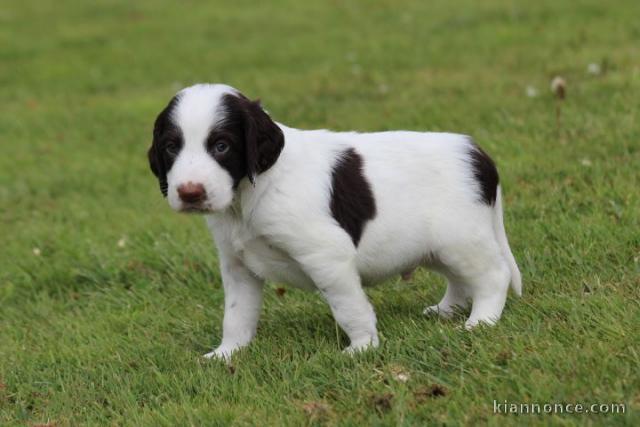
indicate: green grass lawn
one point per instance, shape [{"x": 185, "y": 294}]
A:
[{"x": 108, "y": 298}]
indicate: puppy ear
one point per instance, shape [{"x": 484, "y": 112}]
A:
[
  {"x": 156, "y": 163},
  {"x": 156, "y": 159},
  {"x": 263, "y": 139}
]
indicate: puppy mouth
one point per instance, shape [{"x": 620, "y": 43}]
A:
[{"x": 195, "y": 208}]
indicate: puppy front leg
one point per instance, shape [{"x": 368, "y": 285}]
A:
[
  {"x": 339, "y": 283},
  {"x": 242, "y": 304}
]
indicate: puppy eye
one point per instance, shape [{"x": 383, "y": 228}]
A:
[
  {"x": 172, "y": 148},
  {"x": 220, "y": 147}
]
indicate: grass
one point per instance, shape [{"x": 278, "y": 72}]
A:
[{"x": 108, "y": 298}]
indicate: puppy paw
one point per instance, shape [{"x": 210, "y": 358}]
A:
[
  {"x": 444, "y": 312},
  {"x": 431, "y": 310},
  {"x": 361, "y": 345},
  {"x": 476, "y": 323},
  {"x": 220, "y": 353}
]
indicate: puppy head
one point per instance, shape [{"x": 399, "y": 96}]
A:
[{"x": 206, "y": 141}]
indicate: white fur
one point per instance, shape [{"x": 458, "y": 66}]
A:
[{"x": 281, "y": 229}]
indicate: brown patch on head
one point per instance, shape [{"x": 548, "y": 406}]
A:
[
  {"x": 280, "y": 291},
  {"x": 167, "y": 143},
  {"x": 256, "y": 140}
]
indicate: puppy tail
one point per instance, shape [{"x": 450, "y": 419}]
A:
[{"x": 501, "y": 236}]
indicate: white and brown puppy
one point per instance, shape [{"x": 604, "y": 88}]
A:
[{"x": 331, "y": 211}]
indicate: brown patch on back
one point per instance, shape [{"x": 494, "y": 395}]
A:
[
  {"x": 352, "y": 203},
  {"x": 485, "y": 173}
]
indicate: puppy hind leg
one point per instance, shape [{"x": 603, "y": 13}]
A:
[
  {"x": 455, "y": 297},
  {"x": 489, "y": 294},
  {"x": 481, "y": 275}
]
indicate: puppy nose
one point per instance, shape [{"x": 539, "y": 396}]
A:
[{"x": 191, "y": 193}]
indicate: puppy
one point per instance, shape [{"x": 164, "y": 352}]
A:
[{"x": 332, "y": 211}]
